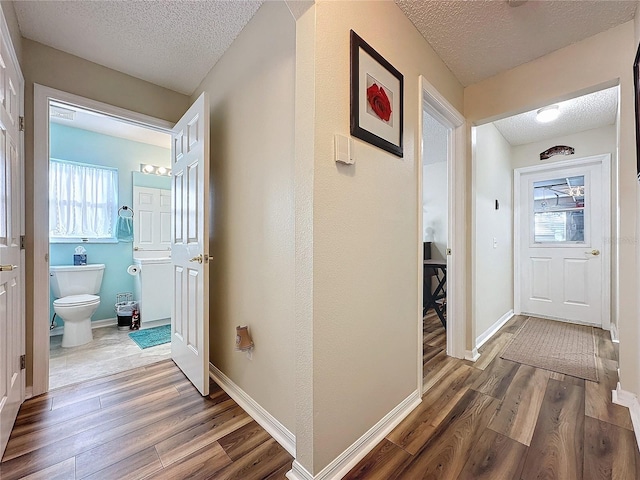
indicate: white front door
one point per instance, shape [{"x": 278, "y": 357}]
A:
[
  {"x": 563, "y": 224},
  {"x": 12, "y": 330},
  {"x": 190, "y": 244}
]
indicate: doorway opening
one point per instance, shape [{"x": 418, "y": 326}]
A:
[
  {"x": 441, "y": 242},
  {"x": 105, "y": 177},
  {"x": 543, "y": 213},
  {"x": 101, "y": 152}
]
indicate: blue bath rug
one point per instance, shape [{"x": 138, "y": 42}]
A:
[{"x": 150, "y": 337}]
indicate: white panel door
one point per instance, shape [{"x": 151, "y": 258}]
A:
[
  {"x": 152, "y": 219},
  {"x": 190, "y": 244},
  {"x": 563, "y": 227},
  {"x": 12, "y": 330}
]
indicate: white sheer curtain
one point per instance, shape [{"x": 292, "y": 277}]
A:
[{"x": 82, "y": 200}]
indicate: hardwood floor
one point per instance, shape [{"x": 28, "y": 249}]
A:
[
  {"x": 501, "y": 420},
  {"x": 144, "y": 423},
  {"x": 494, "y": 419}
]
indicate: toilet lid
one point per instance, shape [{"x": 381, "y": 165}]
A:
[{"x": 76, "y": 300}]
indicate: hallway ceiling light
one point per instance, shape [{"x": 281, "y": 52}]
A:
[{"x": 548, "y": 114}]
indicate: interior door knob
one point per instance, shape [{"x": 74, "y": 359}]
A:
[
  {"x": 593, "y": 252},
  {"x": 8, "y": 268},
  {"x": 196, "y": 259}
]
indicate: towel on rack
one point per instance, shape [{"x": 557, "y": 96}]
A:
[{"x": 124, "y": 229}]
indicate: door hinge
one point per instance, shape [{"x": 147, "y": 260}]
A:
[
  {"x": 23, "y": 362},
  {"x": 46, "y": 257},
  {"x": 21, "y": 123},
  {"x": 21, "y": 242}
]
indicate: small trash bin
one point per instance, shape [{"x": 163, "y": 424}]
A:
[{"x": 124, "y": 310}]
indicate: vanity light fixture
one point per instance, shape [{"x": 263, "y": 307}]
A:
[
  {"x": 153, "y": 169},
  {"x": 548, "y": 114}
]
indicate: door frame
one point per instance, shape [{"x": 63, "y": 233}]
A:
[
  {"x": 41, "y": 97},
  {"x": 436, "y": 105},
  {"x": 604, "y": 160}
]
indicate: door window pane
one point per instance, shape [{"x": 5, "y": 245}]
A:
[{"x": 558, "y": 210}]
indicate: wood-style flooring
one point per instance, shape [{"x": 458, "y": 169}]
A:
[
  {"x": 144, "y": 423},
  {"x": 492, "y": 419},
  {"x": 500, "y": 420}
]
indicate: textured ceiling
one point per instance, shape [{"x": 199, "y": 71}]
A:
[
  {"x": 477, "y": 39},
  {"x": 576, "y": 115},
  {"x": 172, "y": 43}
]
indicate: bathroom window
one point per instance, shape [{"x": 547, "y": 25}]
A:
[{"x": 83, "y": 202}]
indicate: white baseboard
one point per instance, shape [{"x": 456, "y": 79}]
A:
[
  {"x": 472, "y": 355},
  {"x": 348, "y": 459},
  {"x": 613, "y": 331},
  {"x": 298, "y": 472},
  {"x": 107, "y": 322},
  {"x": 28, "y": 393},
  {"x": 629, "y": 400},
  {"x": 279, "y": 432},
  {"x": 493, "y": 329}
]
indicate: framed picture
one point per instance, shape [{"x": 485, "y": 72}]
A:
[
  {"x": 636, "y": 85},
  {"x": 376, "y": 98}
]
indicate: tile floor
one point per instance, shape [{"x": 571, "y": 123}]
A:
[{"x": 111, "y": 351}]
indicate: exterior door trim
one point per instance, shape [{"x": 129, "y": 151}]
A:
[{"x": 518, "y": 217}]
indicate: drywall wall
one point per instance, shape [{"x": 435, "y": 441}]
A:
[
  {"x": 54, "y": 68},
  {"x": 434, "y": 208},
  {"x": 251, "y": 91},
  {"x": 493, "y": 272},
  {"x": 435, "y": 220},
  {"x": 83, "y": 146},
  {"x": 600, "y": 61},
  {"x": 365, "y": 233}
]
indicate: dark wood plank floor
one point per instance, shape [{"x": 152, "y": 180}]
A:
[
  {"x": 145, "y": 423},
  {"x": 493, "y": 419},
  {"x": 501, "y": 420}
]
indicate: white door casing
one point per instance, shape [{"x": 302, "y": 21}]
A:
[
  {"x": 12, "y": 260},
  {"x": 190, "y": 244},
  {"x": 564, "y": 279},
  {"x": 437, "y": 106}
]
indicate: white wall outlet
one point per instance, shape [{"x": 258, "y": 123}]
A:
[{"x": 342, "y": 146}]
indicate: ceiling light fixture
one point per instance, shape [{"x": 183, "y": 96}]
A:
[
  {"x": 548, "y": 114},
  {"x": 153, "y": 169}
]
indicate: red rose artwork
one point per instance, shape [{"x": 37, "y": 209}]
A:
[{"x": 379, "y": 102}]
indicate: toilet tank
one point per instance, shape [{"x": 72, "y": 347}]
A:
[{"x": 68, "y": 280}]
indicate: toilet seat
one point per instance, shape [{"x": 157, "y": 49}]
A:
[{"x": 76, "y": 300}]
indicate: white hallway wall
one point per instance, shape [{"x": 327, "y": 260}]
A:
[
  {"x": 251, "y": 91},
  {"x": 493, "y": 275}
]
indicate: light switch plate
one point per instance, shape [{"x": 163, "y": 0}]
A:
[{"x": 342, "y": 146}]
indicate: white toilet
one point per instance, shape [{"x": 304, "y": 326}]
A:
[{"x": 76, "y": 288}]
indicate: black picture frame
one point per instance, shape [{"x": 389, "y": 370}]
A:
[
  {"x": 636, "y": 88},
  {"x": 377, "y": 94}
]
